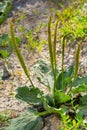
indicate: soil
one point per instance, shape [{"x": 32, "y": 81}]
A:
[{"x": 36, "y": 11}]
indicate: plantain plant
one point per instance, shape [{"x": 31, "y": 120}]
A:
[{"x": 64, "y": 87}]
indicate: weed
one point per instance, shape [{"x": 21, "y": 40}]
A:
[
  {"x": 60, "y": 100},
  {"x": 67, "y": 91}
]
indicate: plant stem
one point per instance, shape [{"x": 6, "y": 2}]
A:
[
  {"x": 77, "y": 57},
  {"x": 54, "y": 43},
  {"x": 54, "y": 53},
  {"x": 63, "y": 51},
  {"x": 50, "y": 43},
  {"x": 19, "y": 54},
  {"x": 42, "y": 113}
]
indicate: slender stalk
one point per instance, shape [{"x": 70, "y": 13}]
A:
[
  {"x": 54, "y": 53},
  {"x": 19, "y": 54},
  {"x": 50, "y": 43},
  {"x": 77, "y": 57},
  {"x": 42, "y": 113},
  {"x": 54, "y": 43},
  {"x": 63, "y": 51}
]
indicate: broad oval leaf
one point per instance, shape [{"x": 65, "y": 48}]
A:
[
  {"x": 27, "y": 121},
  {"x": 29, "y": 95},
  {"x": 78, "y": 89},
  {"x": 64, "y": 78},
  {"x": 83, "y": 100},
  {"x": 61, "y": 97},
  {"x": 50, "y": 100},
  {"x": 43, "y": 72},
  {"x": 79, "y": 81},
  {"x": 82, "y": 108},
  {"x": 55, "y": 110}
]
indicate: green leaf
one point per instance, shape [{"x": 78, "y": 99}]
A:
[
  {"x": 5, "y": 8},
  {"x": 78, "y": 89},
  {"x": 4, "y": 36},
  {"x": 43, "y": 66},
  {"x": 82, "y": 109},
  {"x": 6, "y": 45},
  {"x": 17, "y": 40},
  {"x": 83, "y": 100},
  {"x": 29, "y": 95},
  {"x": 3, "y": 39},
  {"x": 51, "y": 109},
  {"x": 43, "y": 72},
  {"x": 4, "y": 53},
  {"x": 50, "y": 100},
  {"x": 27, "y": 121},
  {"x": 61, "y": 97},
  {"x": 67, "y": 76},
  {"x": 79, "y": 81}
]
